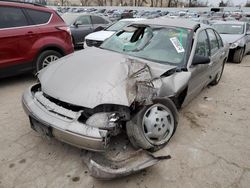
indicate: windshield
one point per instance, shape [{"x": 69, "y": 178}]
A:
[
  {"x": 69, "y": 18},
  {"x": 162, "y": 45},
  {"x": 229, "y": 28},
  {"x": 118, "y": 26}
]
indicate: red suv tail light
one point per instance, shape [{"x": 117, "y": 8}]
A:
[{"x": 64, "y": 28}]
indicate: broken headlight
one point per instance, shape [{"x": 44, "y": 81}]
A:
[
  {"x": 234, "y": 45},
  {"x": 103, "y": 120}
]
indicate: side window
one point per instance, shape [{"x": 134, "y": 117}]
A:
[
  {"x": 38, "y": 17},
  {"x": 83, "y": 20},
  {"x": 214, "y": 45},
  {"x": 12, "y": 17},
  {"x": 219, "y": 39},
  {"x": 98, "y": 20},
  {"x": 202, "y": 47}
]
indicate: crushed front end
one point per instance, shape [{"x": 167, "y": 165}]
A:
[{"x": 81, "y": 127}]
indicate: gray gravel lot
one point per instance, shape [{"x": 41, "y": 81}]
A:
[{"x": 211, "y": 147}]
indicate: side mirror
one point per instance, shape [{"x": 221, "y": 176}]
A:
[
  {"x": 200, "y": 59},
  {"x": 248, "y": 33},
  {"x": 77, "y": 23}
]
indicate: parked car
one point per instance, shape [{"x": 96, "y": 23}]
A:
[
  {"x": 97, "y": 38},
  {"x": 145, "y": 73},
  {"x": 237, "y": 34},
  {"x": 201, "y": 20},
  {"x": 31, "y": 37},
  {"x": 82, "y": 24}
]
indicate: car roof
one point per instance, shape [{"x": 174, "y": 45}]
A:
[
  {"x": 178, "y": 22},
  {"x": 133, "y": 19},
  {"x": 82, "y": 13},
  {"x": 230, "y": 22}
]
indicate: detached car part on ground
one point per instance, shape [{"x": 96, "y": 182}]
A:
[
  {"x": 237, "y": 34},
  {"x": 133, "y": 83}
]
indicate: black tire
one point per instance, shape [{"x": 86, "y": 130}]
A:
[
  {"x": 46, "y": 54},
  {"x": 135, "y": 127},
  {"x": 238, "y": 55},
  {"x": 218, "y": 75}
]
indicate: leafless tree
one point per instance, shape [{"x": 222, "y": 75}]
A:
[
  {"x": 62, "y": 2},
  {"x": 84, "y": 2},
  {"x": 100, "y": 2},
  {"x": 169, "y": 3}
]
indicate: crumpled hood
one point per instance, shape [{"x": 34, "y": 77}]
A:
[
  {"x": 92, "y": 77},
  {"x": 99, "y": 35},
  {"x": 231, "y": 38}
]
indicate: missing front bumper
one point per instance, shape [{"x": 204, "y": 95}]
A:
[{"x": 63, "y": 129}]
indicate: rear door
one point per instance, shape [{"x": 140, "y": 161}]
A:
[
  {"x": 13, "y": 31},
  {"x": 217, "y": 53},
  {"x": 39, "y": 28},
  {"x": 99, "y": 23}
]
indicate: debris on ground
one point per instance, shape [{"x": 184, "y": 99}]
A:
[{"x": 119, "y": 160}]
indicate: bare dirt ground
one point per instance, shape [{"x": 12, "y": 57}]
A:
[{"x": 211, "y": 147}]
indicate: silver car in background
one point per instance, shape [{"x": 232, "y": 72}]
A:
[
  {"x": 135, "y": 81},
  {"x": 237, "y": 34}
]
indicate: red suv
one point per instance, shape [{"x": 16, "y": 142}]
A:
[{"x": 31, "y": 36}]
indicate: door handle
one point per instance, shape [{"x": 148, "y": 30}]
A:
[{"x": 29, "y": 33}]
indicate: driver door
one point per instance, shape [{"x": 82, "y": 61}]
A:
[{"x": 199, "y": 73}]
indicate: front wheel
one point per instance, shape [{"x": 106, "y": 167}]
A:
[
  {"x": 154, "y": 125},
  {"x": 45, "y": 58},
  {"x": 238, "y": 55}
]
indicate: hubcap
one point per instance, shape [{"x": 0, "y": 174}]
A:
[
  {"x": 48, "y": 60},
  {"x": 158, "y": 124}
]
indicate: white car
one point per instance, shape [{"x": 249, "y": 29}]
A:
[{"x": 97, "y": 38}]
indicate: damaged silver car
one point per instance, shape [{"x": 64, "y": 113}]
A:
[
  {"x": 133, "y": 83},
  {"x": 237, "y": 34}
]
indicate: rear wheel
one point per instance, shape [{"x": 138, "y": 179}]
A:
[
  {"x": 154, "y": 125},
  {"x": 45, "y": 58},
  {"x": 238, "y": 55}
]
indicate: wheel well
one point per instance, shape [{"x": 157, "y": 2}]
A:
[
  {"x": 179, "y": 99},
  {"x": 55, "y": 48}
]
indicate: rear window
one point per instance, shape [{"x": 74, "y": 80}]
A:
[
  {"x": 98, "y": 20},
  {"x": 38, "y": 17},
  {"x": 12, "y": 17}
]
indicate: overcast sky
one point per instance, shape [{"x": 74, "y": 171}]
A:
[{"x": 235, "y": 2}]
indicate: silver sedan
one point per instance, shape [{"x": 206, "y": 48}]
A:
[
  {"x": 237, "y": 34},
  {"x": 135, "y": 82}
]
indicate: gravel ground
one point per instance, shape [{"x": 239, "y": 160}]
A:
[{"x": 211, "y": 147}]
